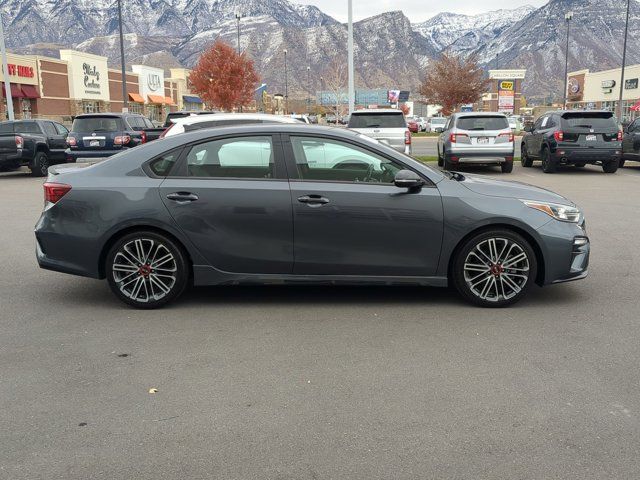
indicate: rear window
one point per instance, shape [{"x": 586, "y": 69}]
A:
[
  {"x": 438, "y": 121},
  {"x": 6, "y": 128},
  {"x": 600, "y": 120},
  {"x": 480, "y": 123},
  {"x": 377, "y": 120},
  {"x": 26, "y": 127},
  {"x": 97, "y": 124}
]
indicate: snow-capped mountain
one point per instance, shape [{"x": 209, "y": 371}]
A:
[{"x": 389, "y": 50}]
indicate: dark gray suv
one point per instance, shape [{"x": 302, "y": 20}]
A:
[{"x": 301, "y": 204}]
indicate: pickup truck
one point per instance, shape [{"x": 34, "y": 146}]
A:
[
  {"x": 100, "y": 135},
  {"x": 34, "y": 143}
]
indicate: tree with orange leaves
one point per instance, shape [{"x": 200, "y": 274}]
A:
[{"x": 223, "y": 78}]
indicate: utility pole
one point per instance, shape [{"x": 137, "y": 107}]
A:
[
  {"x": 125, "y": 99},
  {"x": 496, "y": 61},
  {"x": 239, "y": 15},
  {"x": 624, "y": 64},
  {"x": 286, "y": 85},
  {"x": 308, "y": 89},
  {"x": 5, "y": 69},
  {"x": 567, "y": 17},
  {"x": 352, "y": 88}
]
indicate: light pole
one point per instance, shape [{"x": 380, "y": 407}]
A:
[
  {"x": 125, "y": 103},
  {"x": 5, "y": 69},
  {"x": 624, "y": 62},
  {"x": 286, "y": 85},
  {"x": 352, "y": 88},
  {"x": 308, "y": 89},
  {"x": 496, "y": 61},
  {"x": 567, "y": 18},
  {"x": 239, "y": 15}
]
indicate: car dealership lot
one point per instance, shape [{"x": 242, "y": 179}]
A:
[{"x": 316, "y": 382}]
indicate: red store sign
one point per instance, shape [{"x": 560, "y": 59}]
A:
[{"x": 20, "y": 70}]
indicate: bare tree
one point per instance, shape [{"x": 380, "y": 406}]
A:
[
  {"x": 335, "y": 79},
  {"x": 453, "y": 81}
]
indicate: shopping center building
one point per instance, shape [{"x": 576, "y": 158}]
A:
[
  {"x": 79, "y": 82},
  {"x": 601, "y": 90}
]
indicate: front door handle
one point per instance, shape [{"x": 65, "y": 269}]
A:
[
  {"x": 313, "y": 200},
  {"x": 182, "y": 197}
]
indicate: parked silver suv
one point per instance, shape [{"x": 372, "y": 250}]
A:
[
  {"x": 479, "y": 138},
  {"x": 385, "y": 125}
]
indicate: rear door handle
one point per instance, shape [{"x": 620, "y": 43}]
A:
[
  {"x": 313, "y": 200},
  {"x": 182, "y": 197}
]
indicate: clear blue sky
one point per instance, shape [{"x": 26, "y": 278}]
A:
[{"x": 416, "y": 10}]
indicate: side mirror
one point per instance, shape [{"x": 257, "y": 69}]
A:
[
  {"x": 408, "y": 179},
  {"x": 528, "y": 128}
]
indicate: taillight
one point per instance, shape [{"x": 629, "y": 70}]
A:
[
  {"x": 55, "y": 191},
  {"x": 453, "y": 137},
  {"x": 71, "y": 141},
  {"x": 164, "y": 134},
  {"x": 620, "y": 135},
  {"x": 558, "y": 135},
  {"x": 407, "y": 137},
  {"x": 510, "y": 135},
  {"x": 143, "y": 137},
  {"x": 121, "y": 140},
  {"x": 19, "y": 141}
]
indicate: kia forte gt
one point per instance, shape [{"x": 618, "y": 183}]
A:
[{"x": 301, "y": 204}]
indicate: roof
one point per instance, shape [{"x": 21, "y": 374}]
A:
[
  {"x": 377, "y": 110},
  {"x": 192, "y": 119},
  {"x": 478, "y": 114},
  {"x": 108, "y": 114}
]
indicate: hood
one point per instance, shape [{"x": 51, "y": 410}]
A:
[{"x": 508, "y": 189}]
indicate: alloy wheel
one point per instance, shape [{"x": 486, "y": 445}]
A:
[
  {"x": 144, "y": 270},
  {"x": 496, "y": 269}
]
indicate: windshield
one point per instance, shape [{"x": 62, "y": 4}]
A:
[
  {"x": 97, "y": 124},
  {"x": 481, "y": 123},
  {"x": 377, "y": 120},
  {"x": 603, "y": 120}
]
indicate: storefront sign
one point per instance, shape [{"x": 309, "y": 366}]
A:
[
  {"x": 151, "y": 80},
  {"x": 608, "y": 84},
  {"x": 507, "y": 85},
  {"x": 87, "y": 75},
  {"x": 507, "y": 74},
  {"x": 574, "y": 86},
  {"x": 631, "y": 84},
  {"x": 21, "y": 70},
  {"x": 506, "y": 96}
]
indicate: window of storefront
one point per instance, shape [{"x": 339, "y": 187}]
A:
[
  {"x": 89, "y": 106},
  {"x": 136, "y": 107},
  {"x": 156, "y": 113}
]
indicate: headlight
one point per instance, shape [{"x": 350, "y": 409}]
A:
[{"x": 564, "y": 213}]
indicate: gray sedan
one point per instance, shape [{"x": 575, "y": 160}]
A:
[{"x": 300, "y": 204}]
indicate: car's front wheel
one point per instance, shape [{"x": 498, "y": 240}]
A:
[
  {"x": 494, "y": 268},
  {"x": 146, "y": 269},
  {"x": 525, "y": 159}
]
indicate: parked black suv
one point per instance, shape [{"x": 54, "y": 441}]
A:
[
  {"x": 34, "y": 143},
  {"x": 99, "y": 135},
  {"x": 631, "y": 142},
  {"x": 573, "y": 138}
]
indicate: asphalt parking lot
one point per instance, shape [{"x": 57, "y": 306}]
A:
[{"x": 325, "y": 383}]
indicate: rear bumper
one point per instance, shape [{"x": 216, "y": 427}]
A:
[
  {"x": 13, "y": 159},
  {"x": 74, "y": 155},
  {"x": 587, "y": 155},
  {"x": 488, "y": 156}
]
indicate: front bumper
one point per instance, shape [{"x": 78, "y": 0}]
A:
[{"x": 567, "y": 250}]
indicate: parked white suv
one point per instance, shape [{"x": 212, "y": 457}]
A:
[
  {"x": 385, "y": 125},
  {"x": 476, "y": 138}
]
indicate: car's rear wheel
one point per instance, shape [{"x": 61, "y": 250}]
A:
[
  {"x": 40, "y": 167},
  {"x": 621, "y": 163},
  {"x": 440, "y": 159},
  {"x": 146, "y": 269},
  {"x": 494, "y": 268},
  {"x": 579, "y": 165},
  {"x": 548, "y": 164},
  {"x": 506, "y": 167},
  {"x": 448, "y": 164},
  {"x": 525, "y": 160},
  {"x": 610, "y": 166}
]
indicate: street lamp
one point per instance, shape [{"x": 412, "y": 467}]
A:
[
  {"x": 286, "y": 85},
  {"x": 5, "y": 69},
  {"x": 567, "y": 18},
  {"x": 308, "y": 89},
  {"x": 239, "y": 15},
  {"x": 125, "y": 102},
  {"x": 624, "y": 64}
]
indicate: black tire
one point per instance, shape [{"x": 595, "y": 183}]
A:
[
  {"x": 621, "y": 163},
  {"x": 440, "y": 159},
  {"x": 40, "y": 165},
  {"x": 548, "y": 164},
  {"x": 124, "y": 281},
  {"x": 448, "y": 164},
  {"x": 611, "y": 166},
  {"x": 506, "y": 167},
  {"x": 579, "y": 165},
  {"x": 469, "y": 283},
  {"x": 525, "y": 159}
]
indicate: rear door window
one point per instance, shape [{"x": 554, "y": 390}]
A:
[
  {"x": 6, "y": 127},
  {"x": 26, "y": 127},
  {"x": 377, "y": 120},
  {"x": 481, "y": 123},
  {"x": 50, "y": 129}
]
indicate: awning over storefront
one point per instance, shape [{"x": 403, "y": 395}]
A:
[
  {"x": 169, "y": 101},
  {"x": 136, "y": 97},
  {"x": 30, "y": 91},
  {"x": 159, "y": 99},
  {"x": 191, "y": 99},
  {"x": 16, "y": 92},
  {"x": 636, "y": 107}
]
